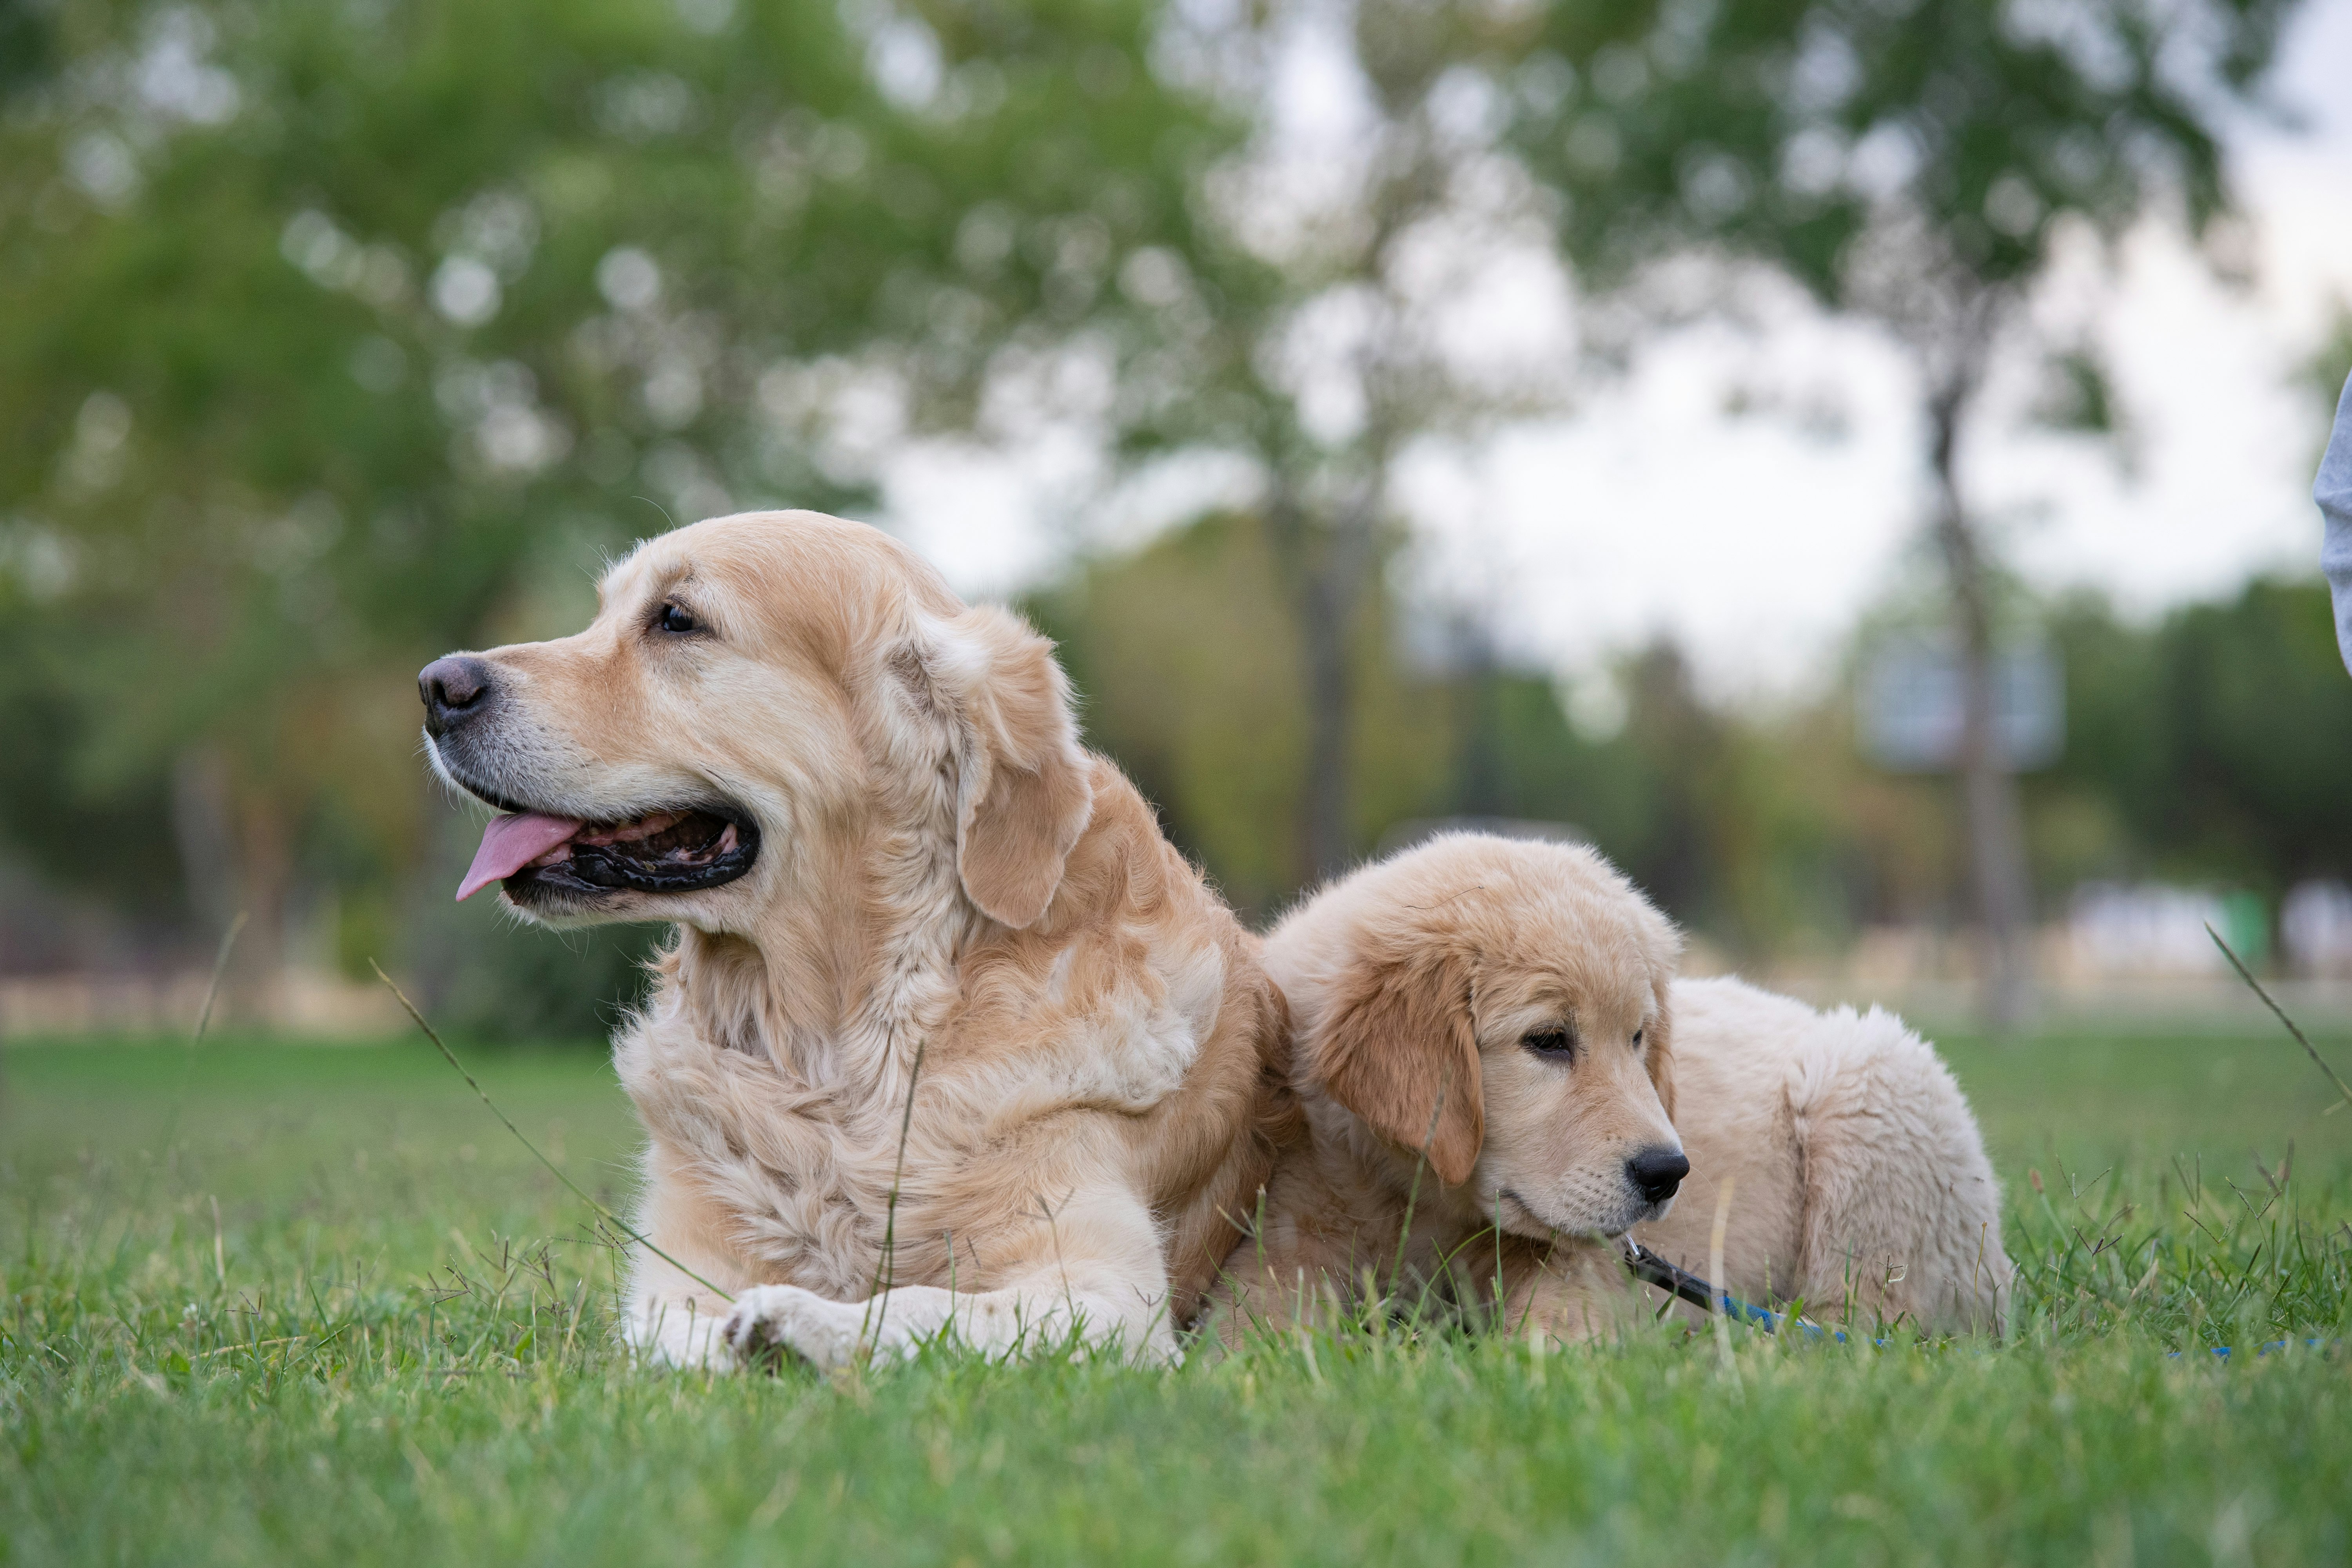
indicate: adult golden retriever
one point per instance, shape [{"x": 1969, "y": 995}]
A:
[
  {"x": 911, "y": 914},
  {"x": 1490, "y": 1039}
]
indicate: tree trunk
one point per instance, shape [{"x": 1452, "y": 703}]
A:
[
  {"x": 1330, "y": 702},
  {"x": 1989, "y": 796},
  {"x": 238, "y": 860},
  {"x": 1479, "y": 772},
  {"x": 1325, "y": 567},
  {"x": 257, "y": 968},
  {"x": 204, "y": 832}
]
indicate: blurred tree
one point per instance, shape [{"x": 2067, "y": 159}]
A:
[
  {"x": 1685, "y": 749},
  {"x": 1716, "y": 814},
  {"x": 2212, "y": 744},
  {"x": 2120, "y": 736},
  {"x": 28, "y": 48},
  {"x": 2240, "y": 732},
  {"x": 339, "y": 336},
  {"x": 1915, "y": 164},
  {"x": 2262, "y": 737},
  {"x": 1301, "y": 331},
  {"x": 1169, "y": 649},
  {"x": 1740, "y": 833}
]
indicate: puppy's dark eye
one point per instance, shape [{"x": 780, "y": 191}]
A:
[
  {"x": 1556, "y": 1043},
  {"x": 1637, "y": 1037},
  {"x": 677, "y": 620}
]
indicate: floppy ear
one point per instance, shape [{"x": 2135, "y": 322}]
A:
[
  {"x": 1022, "y": 796},
  {"x": 1658, "y": 1035},
  {"x": 1398, "y": 1049},
  {"x": 1666, "y": 945}
]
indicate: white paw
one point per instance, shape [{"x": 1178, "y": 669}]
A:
[{"x": 801, "y": 1323}]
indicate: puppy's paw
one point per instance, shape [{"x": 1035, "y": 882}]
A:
[{"x": 798, "y": 1322}]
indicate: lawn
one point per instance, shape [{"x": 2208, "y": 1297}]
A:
[{"x": 264, "y": 1303}]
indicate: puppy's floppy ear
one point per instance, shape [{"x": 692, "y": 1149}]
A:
[
  {"x": 1665, "y": 949},
  {"x": 1396, "y": 1047},
  {"x": 1024, "y": 795},
  {"x": 1657, "y": 1034}
]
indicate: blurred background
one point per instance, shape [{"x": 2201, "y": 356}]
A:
[{"x": 1848, "y": 459}]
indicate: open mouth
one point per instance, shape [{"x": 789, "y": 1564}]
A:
[{"x": 678, "y": 850}]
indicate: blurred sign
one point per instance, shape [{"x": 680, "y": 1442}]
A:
[
  {"x": 2315, "y": 927},
  {"x": 1910, "y": 705},
  {"x": 2149, "y": 928}
]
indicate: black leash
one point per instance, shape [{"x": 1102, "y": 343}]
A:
[{"x": 1653, "y": 1269}]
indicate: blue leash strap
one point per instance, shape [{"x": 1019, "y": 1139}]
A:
[{"x": 1653, "y": 1269}]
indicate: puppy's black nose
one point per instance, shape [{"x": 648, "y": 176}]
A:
[
  {"x": 1657, "y": 1172},
  {"x": 454, "y": 689}
]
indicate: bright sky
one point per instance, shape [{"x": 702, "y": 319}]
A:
[{"x": 1757, "y": 540}]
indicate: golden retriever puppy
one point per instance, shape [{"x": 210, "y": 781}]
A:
[
  {"x": 1536, "y": 978},
  {"x": 1859, "y": 1179},
  {"x": 1481, "y": 1048},
  {"x": 949, "y": 1040}
]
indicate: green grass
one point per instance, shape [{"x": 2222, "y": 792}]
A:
[{"x": 396, "y": 1347}]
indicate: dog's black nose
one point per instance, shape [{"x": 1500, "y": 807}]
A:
[
  {"x": 454, "y": 689},
  {"x": 1657, "y": 1172}
]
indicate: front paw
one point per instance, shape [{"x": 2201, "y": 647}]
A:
[{"x": 798, "y": 1322}]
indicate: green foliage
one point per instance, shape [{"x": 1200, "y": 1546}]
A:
[
  {"x": 1762, "y": 831},
  {"x": 2078, "y": 397},
  {"x": 341, "y": 336},
  {"x": 1186, "y": 660},
  {"x": 1187, "y": 666},
  {"x": 1772, "y": 128},
  {"x": 2212, "y": 737},
  {"x": 27, "y": 48},
  {"x": 397, "y": 1347},
  {"x": 491, "y": 976},
  {"x": 106, "y": 837}
]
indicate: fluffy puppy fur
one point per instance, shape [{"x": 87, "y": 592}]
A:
[
  {"x": 953, "y": 919},
  {"x": 1859, "y": 1179},
  {"x": 1425, "y": 991},
  {"x": 1481, "y": 1044}
]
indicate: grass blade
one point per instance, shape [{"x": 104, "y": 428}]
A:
[
  {"x": 577, "y": 1191},
  {"x": 2299, "y": 1037}
]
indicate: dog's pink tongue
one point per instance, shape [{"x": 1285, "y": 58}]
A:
[{"x": 508, "y": 844}]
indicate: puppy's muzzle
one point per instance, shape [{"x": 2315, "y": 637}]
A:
[
  {"x": 456, "y": 690},
  {"x": 1657, "y": 1172}
]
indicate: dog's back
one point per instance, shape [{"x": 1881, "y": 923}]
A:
[{"x": 1859, "y": 1173}]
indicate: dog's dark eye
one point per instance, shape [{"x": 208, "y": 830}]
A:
[
  {"x": 1637, "y": 1037},
  {"x": 677, "y": 620},
  {"x": 1550, "y": 1043}
]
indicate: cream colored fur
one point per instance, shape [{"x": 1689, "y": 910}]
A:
[
  {"x": 1413, "y": 984},
  {"x": 1857, "y": 1166},
  {"x": 1858, "y": 1176},
  {"x": 945, "y": 876}
]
